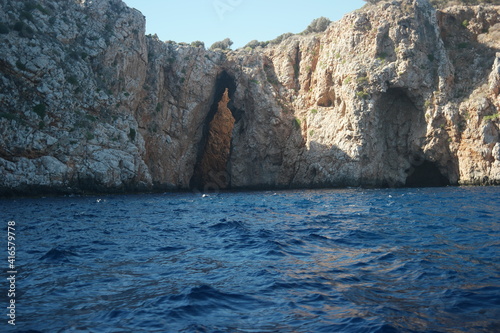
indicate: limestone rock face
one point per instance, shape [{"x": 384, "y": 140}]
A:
[
  {"x": 393, "y": 94},
  {"x": 71, "y": 72}
]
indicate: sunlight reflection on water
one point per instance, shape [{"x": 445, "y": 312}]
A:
[{"x": 295, "y": 261}]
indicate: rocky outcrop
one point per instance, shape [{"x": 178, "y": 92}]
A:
[
  {"x": 393, "y": 94},
  {"x": 71, "y": 72}
]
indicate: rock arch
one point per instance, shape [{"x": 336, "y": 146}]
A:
[{"x": 211, "y": 170}]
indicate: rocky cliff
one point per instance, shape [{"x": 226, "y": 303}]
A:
[{"x": 393, "y": 94}]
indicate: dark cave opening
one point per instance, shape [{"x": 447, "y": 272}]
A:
[
  {"x": 211, "y": 169},
  {"x": 402, "y": 123},
  {"x": 426, "y": 174},
  {"x": 403, "y": 130}
]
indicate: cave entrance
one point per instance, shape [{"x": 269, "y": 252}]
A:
[
  {"x": 402, "y": 123},
  {"x": 427, "y": 174},
  {"x": 211, "y": 170}
]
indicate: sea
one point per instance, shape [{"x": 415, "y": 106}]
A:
[{"x": 337, "y": 260}]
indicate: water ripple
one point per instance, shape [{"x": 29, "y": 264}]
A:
[{"x": 403, "y": 260}]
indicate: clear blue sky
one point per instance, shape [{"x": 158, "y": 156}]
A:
[{"x": 241, "y": 20}]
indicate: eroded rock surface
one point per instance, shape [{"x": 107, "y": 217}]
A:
[{"x": 393, "y": 94}]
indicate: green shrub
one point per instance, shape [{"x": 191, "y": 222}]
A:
[
  {"x": 44, "y": 10},
  {"x": 362, "y": 80},
  {"x": 32, "y": 5},
  {"x": 40, "y": 110},
  {"x": 273, "y": 81},
  {"x": 280, "y": 38},
  {"x": 28, "y": 16},
  {"x": 317, "y": 25},
  {"x": 132, "y": 134},
  {"x": 20, "y": 65},
  {"x": 73, "y": 80},
  {"x": 297, "y": 123},
  {"x": 252, "y": 44},
  {"x": 23, "y": 29},
  {"x": 362, "y": 94},
  {"x": 492, "y": 117},
  {"x": 91, "y": 117},
  {"x": 255, "y": 43},
  {"x": 74, "y": 55},
  {"x": 198, "y": 44},
  {"x": 18, "y": 26},
  {"x": 8, "y": 116},
  {"x": 4, "y": 29},
  {"x": 29, "y": 6},
  {"x": 314, "y": 111},
  {"x": 381, "y": 56},
  {"x": 447, "y": 3},
  {"x": 223, "y": 44},
  {"x": 463, "y": 45},
  {"x": 109, "y": 27}
]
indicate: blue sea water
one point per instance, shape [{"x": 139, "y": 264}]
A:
[{"x": 354, "y": 260}]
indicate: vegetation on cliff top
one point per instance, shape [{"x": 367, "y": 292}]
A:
[
  {"x": 223, "y": 44},
  {"x": 322, "y": 23},
  {"x": 317, "y": 25},
  {"x": 448, "y": 3}
]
